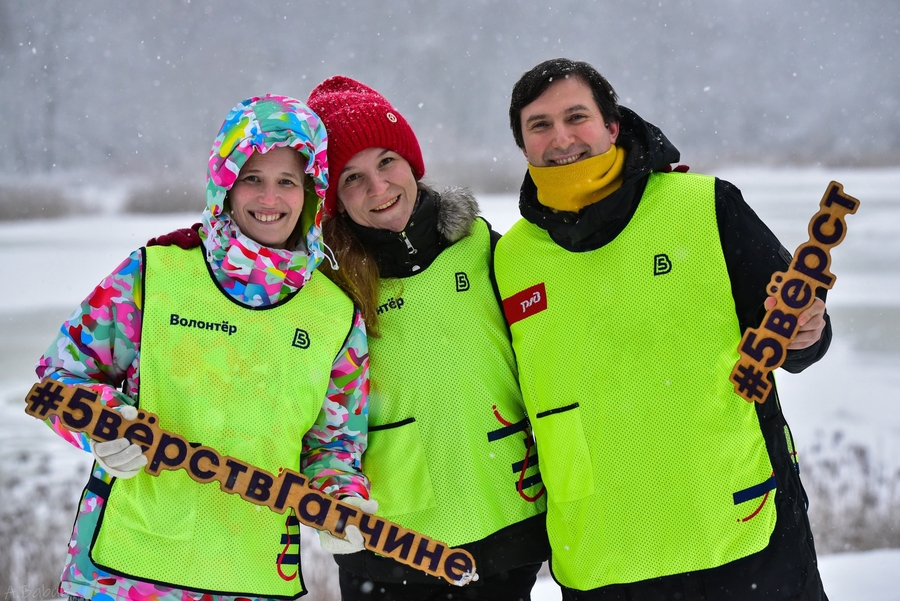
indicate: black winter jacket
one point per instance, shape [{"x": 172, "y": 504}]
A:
[{"x": 787, "y": 567}]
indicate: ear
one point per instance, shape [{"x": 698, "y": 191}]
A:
[{"x": 613, "y": 131}]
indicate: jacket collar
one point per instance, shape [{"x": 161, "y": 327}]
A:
[{"x": 437, "y": 221}]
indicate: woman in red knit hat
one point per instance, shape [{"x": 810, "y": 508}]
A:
[{"x": 450, "y": 451}]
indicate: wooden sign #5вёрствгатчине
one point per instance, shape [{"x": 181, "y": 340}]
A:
[{"x": 78, "y": 408}]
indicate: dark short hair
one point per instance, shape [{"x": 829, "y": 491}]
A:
[{"x": 535, "y": 82}]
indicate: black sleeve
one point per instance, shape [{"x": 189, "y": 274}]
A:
[
  {"x": 752, "y": 254},
  {"x": 495, "y": 237}
]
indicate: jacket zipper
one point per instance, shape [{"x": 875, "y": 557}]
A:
[{"x": 409, "y": 247}]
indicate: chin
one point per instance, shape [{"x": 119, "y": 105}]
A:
[
  {"x": 270, "y": 242},
  {"x": 394, "y": 226}
]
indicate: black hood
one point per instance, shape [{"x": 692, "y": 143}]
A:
[{"x": 646, "y": 150}]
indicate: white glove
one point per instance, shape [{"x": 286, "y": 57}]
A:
[
  {"x": 367, "y": 505},
  {"x": 121, "y": 457},
  {"x": 353, "y": 541}
]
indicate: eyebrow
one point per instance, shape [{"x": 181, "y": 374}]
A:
[
  {"x": 282, "y": 174},
  {"x": 571, "y": 109},
  {"x": 301, "y": 178}
]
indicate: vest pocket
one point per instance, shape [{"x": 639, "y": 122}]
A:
[
  {"x": 396, "y": 465},
  {"x": 565, "y": 461}
]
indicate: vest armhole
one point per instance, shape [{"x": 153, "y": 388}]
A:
[
  {"x": 353, "y": 312},
  {"x": 131, "y": 393},
  {"x": 492, "y": 274},
  {"x": 143, "y": 280}
]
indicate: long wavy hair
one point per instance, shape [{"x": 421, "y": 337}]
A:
[{"x": 357, "y": 274}]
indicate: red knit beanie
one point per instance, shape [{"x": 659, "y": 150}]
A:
[{"x": 357, "y": 117}]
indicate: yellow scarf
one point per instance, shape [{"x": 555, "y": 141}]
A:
[{"x": 573, "y": 187}]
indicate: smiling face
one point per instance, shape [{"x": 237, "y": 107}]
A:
[
  {"x": 377, "y": 188},
  {"x": 267, "y": 197},
  {"x": 564, "y": 125}
]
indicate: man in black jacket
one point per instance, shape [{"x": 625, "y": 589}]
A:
[{"x": 627, "y": 289}]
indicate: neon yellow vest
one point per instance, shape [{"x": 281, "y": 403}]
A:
[
  {"x": 440, "y": 461},
  {"x": 651, "y": 461},
  {"x": 248, "y": 383}
]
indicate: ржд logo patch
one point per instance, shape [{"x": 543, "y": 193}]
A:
[{"x": 525, "y": 303}]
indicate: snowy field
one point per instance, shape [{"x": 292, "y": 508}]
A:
[{"x": 843, "y": 411}]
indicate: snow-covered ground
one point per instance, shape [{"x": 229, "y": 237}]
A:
[{"x": 852, "y": 393}]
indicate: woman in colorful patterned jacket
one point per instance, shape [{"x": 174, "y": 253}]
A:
[
  {"x": 237, "y": 344},
  {"x": 449, "y": 450}
]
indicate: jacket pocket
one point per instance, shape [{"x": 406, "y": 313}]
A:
[
  {"x": 565, "y": 460},
  {"x": 396, "y": 465}
]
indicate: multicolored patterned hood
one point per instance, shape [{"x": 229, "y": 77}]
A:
[{"x": 259, "y": 124}]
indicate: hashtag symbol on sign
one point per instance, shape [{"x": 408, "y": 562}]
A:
[
  {"x": 46, "y": 398},
  {"x": 751, "y": 381}
]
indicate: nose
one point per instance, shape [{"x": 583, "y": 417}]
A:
[
  {"x": 378, "y": 185},
  {"x": 269, "y": 195},
  {"x": 562, "y": 137}
]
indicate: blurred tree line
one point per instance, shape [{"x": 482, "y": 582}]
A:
[{"x": 140, "y": 88}]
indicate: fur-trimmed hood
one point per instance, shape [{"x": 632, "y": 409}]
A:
[
  {"x": 457, "y": 211},
  {"x": 438, "y": 220}
]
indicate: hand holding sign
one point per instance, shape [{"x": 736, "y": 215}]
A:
[
  {"x": 810, "y": 323},
  {"x": 792, "y": 310}
]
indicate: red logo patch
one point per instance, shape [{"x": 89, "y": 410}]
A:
[{"x": 525, "y": 304}]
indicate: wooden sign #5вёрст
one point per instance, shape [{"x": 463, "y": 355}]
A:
[{"x": 763, "y": 349}]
